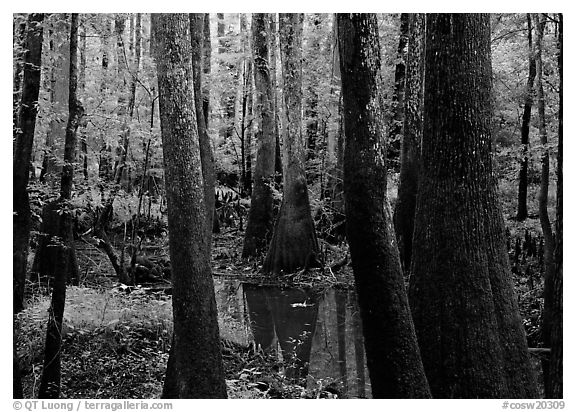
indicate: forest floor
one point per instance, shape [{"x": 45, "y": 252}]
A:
[{"x": 117, "y": 338}]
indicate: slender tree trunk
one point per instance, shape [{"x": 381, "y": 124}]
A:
[
  {"x": 259, "y": 226},
  {"x": 24, "y": 141},
  {"x": 397, "y": 119},
  {"x": 206, "y": 157},
  {"x": 549, "y": 264},
  {"x": 196, "y": 352},
  {"x": 392, "y": 352},
  {"x": 411, "y": 138},
  {"x": 525, "y": 129},
  {"x": 553, "y": 293},
  {"x": 51, "y": 374},
  {"x": 60, "y": 75},
  {"x": 206, "y": 68},
  {"x": 294, "y": 244},
  {"x": 272, "y": 36},
  {"x": 82, "y": 86},
  {"x": 461, "y": 292}
]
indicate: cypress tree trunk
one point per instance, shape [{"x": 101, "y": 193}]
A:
[
  {"x": 461, "y": 292},
  {"x": 525, "y": 129},
  {"x": 411, "y": 138},
  {"x": 196, "y": 352},
  {"x": 553, "y": 385},
  {"x": 294, "y": 245},
  {"x": 259, "y": 226},
  {"x": 51, "y": 374},
  {"x": 392, "y": 352},
  {"x": 206, "y": 156},
  {"x": 24, "y": 141}
]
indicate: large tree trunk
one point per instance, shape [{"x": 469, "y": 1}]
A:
[
  {"x": 206, "y": 156},
  {"x": 553, "y": 294},
  {"x": 259, "y": 226},
  {"x": 461, "y": 292},
  {"x": 396, "y": 120},
  {"x": 525, "y": 129},
  {"x": 24, "y": 141},
  {"x": 411, "y": 138},
  {"x": 196, "y": 353},
  {"x": 394, "y": 362},
  {"x": 51, "y": 374},
  {"x": 294, "y": 244}
]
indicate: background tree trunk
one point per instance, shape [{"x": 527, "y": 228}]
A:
[
  {"x": 392, "y": 353},
  {"x": 411, "y": 138},
  {"x": 206, "y": 156},
  {"x": 259, "y": 226},
  {"x": 51, "y": 374},
  {"x": 24, "y": 141},
  {"x": 461, "y": 292},
  {"x": 525, "y": 129},
  {"x": 294, "y": 244},
  {"x": 397, "y": 118},
  {"x": 196, "y": 351}
]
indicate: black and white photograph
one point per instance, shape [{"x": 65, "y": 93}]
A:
[{"x": 287, "y": 206}]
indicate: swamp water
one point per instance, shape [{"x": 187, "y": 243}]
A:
[{"x": 318, "y": 337}]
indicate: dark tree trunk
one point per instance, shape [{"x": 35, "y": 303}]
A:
[
  {"x": 549, "y": 264},
  {"x": 391, "y": 349},
  {"x": 196, "y": 352},
  {"x": 206, "y": 68},
  {"x": 294, "y": 244},
  {"x": 397, "y": 119},
  {"x": 461, "y": 292},
  {"x": 553, "y": 294},
  {"x": 24, "y": 141},
  {"x": 206, "y": 156},
  {"x": 51, "y": 374},
  {"x": 525, "y": 129},
  {"x": 259, "y": 226},
  {"x": 411, "y": 138}
]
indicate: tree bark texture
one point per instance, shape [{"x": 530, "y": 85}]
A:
[
  {"x": 24, "y": 141},
  {"x": 553, "y": 388},
  {"x": 392, "y": 352},
  {"x": 525, "y": 129},
  {"x": 259, "y": 226},
  {"x": 206, "y": 156},
  {"x": 196, "y": 348},
  {"x": 463, "y": 301},
  {"x": 411, "y": 138},
  {"x": 294, "y": 244},
  {"x": 65, "y": 263}
]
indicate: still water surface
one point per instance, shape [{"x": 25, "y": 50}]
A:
[{"x": 317, "y": 336}]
